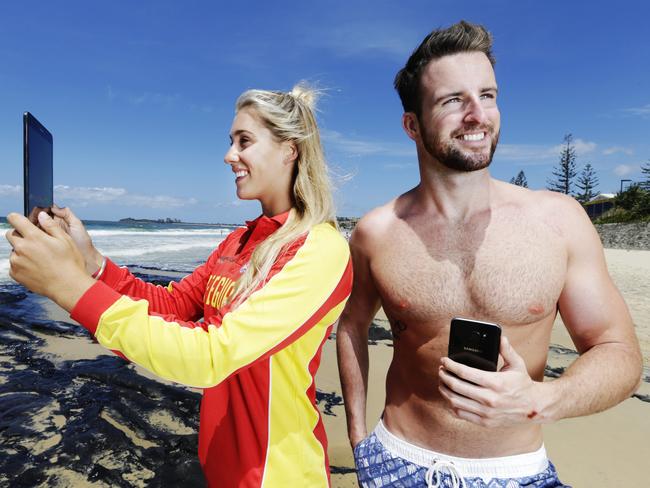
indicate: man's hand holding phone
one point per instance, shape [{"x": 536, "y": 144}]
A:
[{"x": 494, "y": 398}]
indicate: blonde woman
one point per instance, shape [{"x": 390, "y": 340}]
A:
[{"x": 269, "y": 295}]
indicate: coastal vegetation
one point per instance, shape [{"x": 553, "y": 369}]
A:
[
  {"x": 631, "y": 205},
  {"x": 347, "y": 223}
]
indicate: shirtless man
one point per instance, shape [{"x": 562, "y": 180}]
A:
[{"x": 462, "y": 244}]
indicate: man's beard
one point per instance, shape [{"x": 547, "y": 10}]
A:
[{"x": 448, "y": 154}]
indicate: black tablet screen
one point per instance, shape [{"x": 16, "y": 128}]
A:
[{"x": 38, "y": 166}]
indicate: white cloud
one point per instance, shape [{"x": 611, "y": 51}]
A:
[
  {"x": 206, "y": 109},
  {"x": 146, "y": 98},
  {"x": 524, "y": 152},
  {"x": 617, "y": 149},
  {"x": 234, "y": 203},
  {"x": 531, "y": 154},
  {"x": 400, "y": 165},
  {"x": 110, "y": 93},
  {"x": 10, "y": 190},
  {"x": 581, "y": 147},
  {"x": 625, "y": 169},
  {"x": 361, "y": 38},
  {"x": 150, "y": 98},
  {"x": 639, "y": 111},
  {"x": 157, "y": 99},
  {"x": 366, "y": 147},
  {"x": 84, "y": 196}
]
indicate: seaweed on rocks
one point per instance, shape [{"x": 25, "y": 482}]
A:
[
  {"x": 329, "y": 400},
  {"x": 377, "y": 332},
  {"x": 643, "y": 398},
  {"x": 550, "y": 372},
  {"x": 156, "y": 268},
  {"x": 94, "y": 420},
  {"x": 562, "y": 351}
]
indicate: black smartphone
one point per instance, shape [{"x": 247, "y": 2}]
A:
[
  {"x": 474, "y": 343},
  {"x": 37, "y": 167}
]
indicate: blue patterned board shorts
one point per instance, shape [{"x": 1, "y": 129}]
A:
[{"x": 377, "y": 467}]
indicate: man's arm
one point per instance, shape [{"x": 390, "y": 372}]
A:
[
  {"x": 609, "y": 367},
  {"x": 352, "y": 335},
  {"x": 596, "y": 316}
]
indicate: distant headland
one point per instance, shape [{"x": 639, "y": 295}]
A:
[
  {"x": 345, "y": 223},
  {"x": 167, "y": 220},
  {"x": 131, "y": 220}
]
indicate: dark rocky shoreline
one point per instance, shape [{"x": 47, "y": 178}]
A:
[
  {"x": 85, "y": 420},
  {"x": 91, "y": 422}
]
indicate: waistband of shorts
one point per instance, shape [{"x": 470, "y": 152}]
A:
[{"x": 516, "y": 466}]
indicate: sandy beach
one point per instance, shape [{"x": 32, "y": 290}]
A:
[{"x": 72, "y": 414}]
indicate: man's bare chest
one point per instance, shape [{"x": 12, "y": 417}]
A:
[{"x": 512, "y": 274}]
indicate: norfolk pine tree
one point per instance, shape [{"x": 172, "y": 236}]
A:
[
  {"x": 645, "y": 169},
  {"x": 565, "y": 171},
  {"x": 519, "y": 180},
  {"x": 587, "y": 182}
]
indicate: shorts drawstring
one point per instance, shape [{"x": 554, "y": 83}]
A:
[{"x": 436, "y": 469}]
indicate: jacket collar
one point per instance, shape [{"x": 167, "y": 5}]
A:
[{"x": 263, "y": 226}]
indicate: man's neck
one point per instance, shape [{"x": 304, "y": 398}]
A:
[{"x": 453, "y": 195}]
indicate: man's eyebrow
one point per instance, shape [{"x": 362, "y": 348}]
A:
[
  {"x": 460, "y": 93},
  {"x": 447, "y": 95}
]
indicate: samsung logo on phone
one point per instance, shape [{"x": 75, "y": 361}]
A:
[{"x": 472, "y": 349}]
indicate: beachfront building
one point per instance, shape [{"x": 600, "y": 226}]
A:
[{"x": 599, "y": 204}]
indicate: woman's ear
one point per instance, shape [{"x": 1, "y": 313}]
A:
[{"x": 290, "y": 152}]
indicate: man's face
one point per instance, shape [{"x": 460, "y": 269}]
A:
[{"x": 460, "y": 120}]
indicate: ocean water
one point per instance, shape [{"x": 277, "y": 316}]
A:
[{"x": 167, "y": 247}]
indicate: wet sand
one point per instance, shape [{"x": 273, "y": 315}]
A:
[{"x": 73, "y": 414}]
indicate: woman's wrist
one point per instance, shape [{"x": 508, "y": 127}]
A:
[
  {"x": 97, "y": 274},
  {"x": 95, "y": 266}
]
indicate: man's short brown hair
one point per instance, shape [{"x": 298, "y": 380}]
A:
[{"x": 458, "y": 38}]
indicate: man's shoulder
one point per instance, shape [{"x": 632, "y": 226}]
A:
[
  {"x": 558, "y": 205},
  {"x": 559, "y": 213},
  {"x": 376, "y": 222},
  {"x": 541, "y": 201}
]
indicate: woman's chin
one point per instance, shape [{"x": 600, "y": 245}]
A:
[{"x": 244, "y": 195}]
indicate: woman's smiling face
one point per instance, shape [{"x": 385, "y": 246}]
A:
[{"x": 263, "y": 166}]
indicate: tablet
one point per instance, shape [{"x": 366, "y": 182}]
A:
[{"x": 37, "y": 167}]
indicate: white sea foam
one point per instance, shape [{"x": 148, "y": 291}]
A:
[
  {"x": 4, "y": 270},
  {"x": 157, "y": 249},
  {"x": 159, "y": 233},
  {"x": 175, "y": 248}
]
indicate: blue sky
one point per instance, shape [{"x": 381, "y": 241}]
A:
[{"x": 140, "y": 95}]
